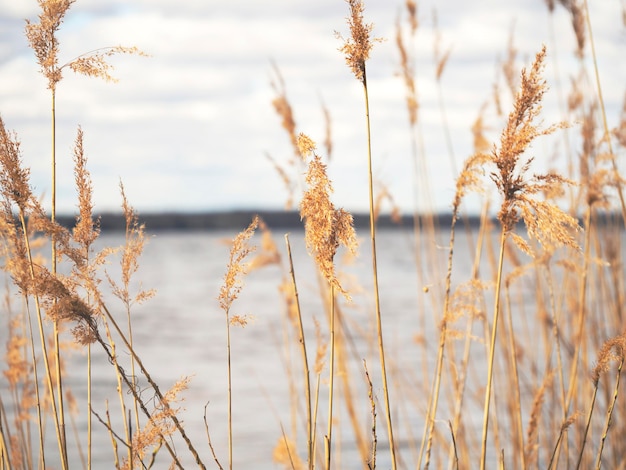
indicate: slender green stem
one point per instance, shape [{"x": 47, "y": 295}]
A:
[
  {"x": 492, "y": 348},
  {"x": 381, "y": 349}
]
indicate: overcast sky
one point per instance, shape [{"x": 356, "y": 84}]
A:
[{"x": 189, "y": 127}]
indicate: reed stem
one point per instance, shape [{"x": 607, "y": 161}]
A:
[
  {"x": 331, "y": 379},
  {"x": 609, "y": 413},
  {"x": 492, "y": 348},
  {"x": 230, "y": 398},
  {"x": 305, "y": 360},
  {"x": 379, "y": 325},
  {"x": 432, "y": 410},
  {"x": 605, "y": 124},
  {"x": 53, "y": 264}
]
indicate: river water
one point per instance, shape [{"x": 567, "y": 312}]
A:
[{"x": 181, "y": 332}]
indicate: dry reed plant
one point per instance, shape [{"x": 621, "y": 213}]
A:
[
  {"x": 326, "y": 229},
  {"x": 357, "y": 48},
  {"x": 230, "y": 290},
  {"x": 42, "y": 38},
  {"x": 544, "y": 221},
  {"x": 539, "y": 409}
]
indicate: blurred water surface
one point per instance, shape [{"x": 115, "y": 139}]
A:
[{"x": 180, "y": 332}]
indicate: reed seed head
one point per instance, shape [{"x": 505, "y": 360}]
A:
[
  {"x": 613, "y": 350},
  {"x": 544, "y": 220},
  {"x": 411, "y": 7},
  {"x": 94, "y": 64},
  {"x": 14, "y": 179},
  {"x": 359, "y": 44},
  {"x": 18, "y": 368},
  {"x": 131, "y": 252},
  {"x": 283, "y": 108},
  {"x": 86, "y": 230},
  {"x": 233, "y": 281},
  {"x": 42, "y": 37},
  {"x": 408, "y": 77},
  {"x": 326, "y": 228}
]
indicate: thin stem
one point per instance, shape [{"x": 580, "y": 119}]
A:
[
  {"x": 44, "y": 349},
  {"x": 381, "y": 349},
  {"x": 53, "y": 262},
  {"x": 36, "y": 387},
  {"x": 371, "y": 464},
  {"x": 305, "y": 360},
  {"x": 582, "y": 299},
  {"x": 315, "y": 407},
  {"x": 609, "y": 413},
  {"x": 607, "y": 133},
  {"x": 132, "y": 360},
  {"x": 581, "y": 312},
  {"x": 331, "y": 380},
  {"x": 89, "y": 406},
  {"x": 120, "y": 389},
  {"x": 588, "y": 424},
  {"x": 432, "y": 411},
  {"x": 514, "y": 377},
  {"x": 154, "y": 386},
  {"x": 492, "y": 348},
  {"x": 230, "y": 421}
]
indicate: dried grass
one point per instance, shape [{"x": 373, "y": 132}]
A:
[{"x": 566, "y": 312}]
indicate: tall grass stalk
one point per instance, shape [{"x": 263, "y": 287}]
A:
[
  {"x": 156, "y": 390},
  {"x": 331, "y": 381},
  {"x": 357, "y": 49},
  {"x": 229, "y": 292},
  {"x": 40, "y": 425},
  {"x": 581, "y": 314},
  {"x": 44, "y": 349},
  {"x": 42, "y": 38},
  {"x": 326, "y": 228},
  {"x": 492, "y": 350},
  {"x": 379, "y": 325},
  {"x": 462, "y": 382},
  {"x": 16, "y": 192},
  {"x": 611, "y": 409},
  {"x": 53, "y": 266},
  {"x": 605, "y": 125},
  {"x": 305, "y": 361},
  {"x": 544, "y": 221},
  {"x": 515, "y": 396},
  {"x": 467, "y": 180}
]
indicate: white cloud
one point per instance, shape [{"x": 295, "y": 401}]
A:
[{"x": 188, "y": 127}]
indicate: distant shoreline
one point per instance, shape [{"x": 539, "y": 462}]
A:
[{"x": 238, "y": 220}]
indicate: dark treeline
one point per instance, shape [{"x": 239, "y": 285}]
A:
[{"x": 237, "y": 220}]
